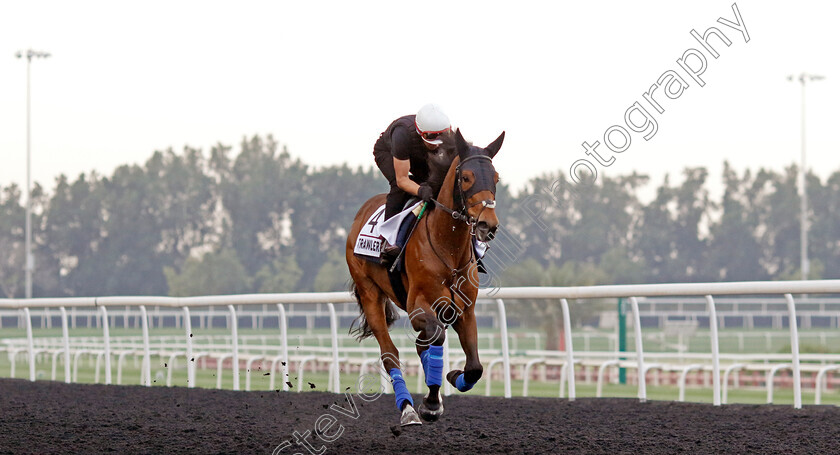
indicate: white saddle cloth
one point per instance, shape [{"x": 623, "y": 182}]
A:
[{"x": 369, "y": 241}]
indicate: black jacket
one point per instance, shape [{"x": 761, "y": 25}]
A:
[{"x": 401, "y": 141}]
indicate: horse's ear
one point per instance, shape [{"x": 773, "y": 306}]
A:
[
  {"x": 494, "y": 146},
  {"x": 461, "y": 144}
]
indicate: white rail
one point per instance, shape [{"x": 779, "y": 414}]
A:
[{"x": 706, "y": 290}]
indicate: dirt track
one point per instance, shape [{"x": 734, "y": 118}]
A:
[{"x": 49, "y": 417}]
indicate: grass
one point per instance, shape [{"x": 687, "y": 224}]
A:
[
  {"x": 754, "y": 341},
  {"x": 207, "y": 377}
]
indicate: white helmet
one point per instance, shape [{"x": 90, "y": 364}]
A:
[{"x": 431, "y": 122}]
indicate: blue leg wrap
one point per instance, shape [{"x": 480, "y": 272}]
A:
[
  {"x": 462, "y": 385},
  {"x": 432, "y": 360},
  {"x": 400, "y": 390}
]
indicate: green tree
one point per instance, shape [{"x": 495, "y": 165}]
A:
[
  {"x": 185, "y": 203},
  {"x": 560, "y": 221},
  {"x": 734, "y": 249},
  {"x": 669, "y": 231},
  {"x": 542, "y": 216},
  {"x": 778, "y": 203},
  {"x": 282, "y": 275},
  {"x": 621, "y": 267},
  {"x": 74, "y": 226},
  {"x": 333, "y": 275},
  {"x": 824, "y": 231},
  {"x": 322, "y": 214},
  {"x": 603, "y": 216},
  {"x": 284, "y": 223},
  {"x": 256, "y": 194},
  {"x": 128, "y": 260},
  {"x": 547, "y": 313},
  {"x": 12, "y": 242},
  {"x": 215, "y": 273}
]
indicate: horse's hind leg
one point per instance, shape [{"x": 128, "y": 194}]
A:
[{"x": 373, "y": 304}]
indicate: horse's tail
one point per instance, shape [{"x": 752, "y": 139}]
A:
[{"x": 360, "y": 328}]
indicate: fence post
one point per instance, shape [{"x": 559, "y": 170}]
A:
[
  {"x": 715, "y": 350},
  {"x": 235, "y": 338},
  {"x": 30, "y": 343},
  {"x": 639, "y": 351},
  {"x": 65, "y": 335},
  {"x": 190, "y": 360},
  {"x": 146, "y": 368},
  {"x": 570, "y": 358},
  {"x": 285, "y": 339},
  {"x": 334, "y": 335},
  {"x": 622, "y": 339},
  {"x": 505, "y": 348},
  {"x": 107, "y": 339},
  {"x": 794, "y": 350}
]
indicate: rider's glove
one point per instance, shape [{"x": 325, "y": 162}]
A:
[{"x": 425, "y": 192}]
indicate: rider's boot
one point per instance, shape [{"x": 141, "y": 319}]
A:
[{"x": 389, "y": 253}]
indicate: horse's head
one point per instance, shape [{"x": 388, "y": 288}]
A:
[{"x": 475, "y": 185}]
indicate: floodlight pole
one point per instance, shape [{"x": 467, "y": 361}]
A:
[
  {"x": 805, "y": 265},
  {"x": 30, "y": 262}
]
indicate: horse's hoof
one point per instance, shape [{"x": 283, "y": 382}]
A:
[
  {"x": 452, "y": 377},
  {"x": 409, "y": 417},
  {"x": 429, "y": 414}
]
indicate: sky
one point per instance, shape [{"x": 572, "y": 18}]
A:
[{"x": 325, "y": 78}]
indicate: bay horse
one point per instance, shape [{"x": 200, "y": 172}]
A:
[{"x": 439, "y": 276}]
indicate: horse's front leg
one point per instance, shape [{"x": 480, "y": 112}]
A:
[
  {"x": 429, "y": 343},
  {"x": 465, "y": 326}
]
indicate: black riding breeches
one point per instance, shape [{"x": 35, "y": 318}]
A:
[{"x": 396, "y": 201}]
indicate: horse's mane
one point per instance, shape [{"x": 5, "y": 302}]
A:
[{"x": 440, "y": 161}]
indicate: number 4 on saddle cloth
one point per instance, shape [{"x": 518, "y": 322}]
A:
[{"x": 375, "y": 232}]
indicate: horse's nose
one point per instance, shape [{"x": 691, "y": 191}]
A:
[{"x": 484, "y": 232}]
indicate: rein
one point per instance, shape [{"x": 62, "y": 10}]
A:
[{"x": 453, "y": 270}]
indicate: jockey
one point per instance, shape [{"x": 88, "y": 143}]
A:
[{"x": 400, "y": 153}]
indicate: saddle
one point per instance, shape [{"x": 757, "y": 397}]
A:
[{"x": 372, "y": 237}]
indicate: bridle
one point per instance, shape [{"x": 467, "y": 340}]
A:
[{"x": 484, "y": 181}]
